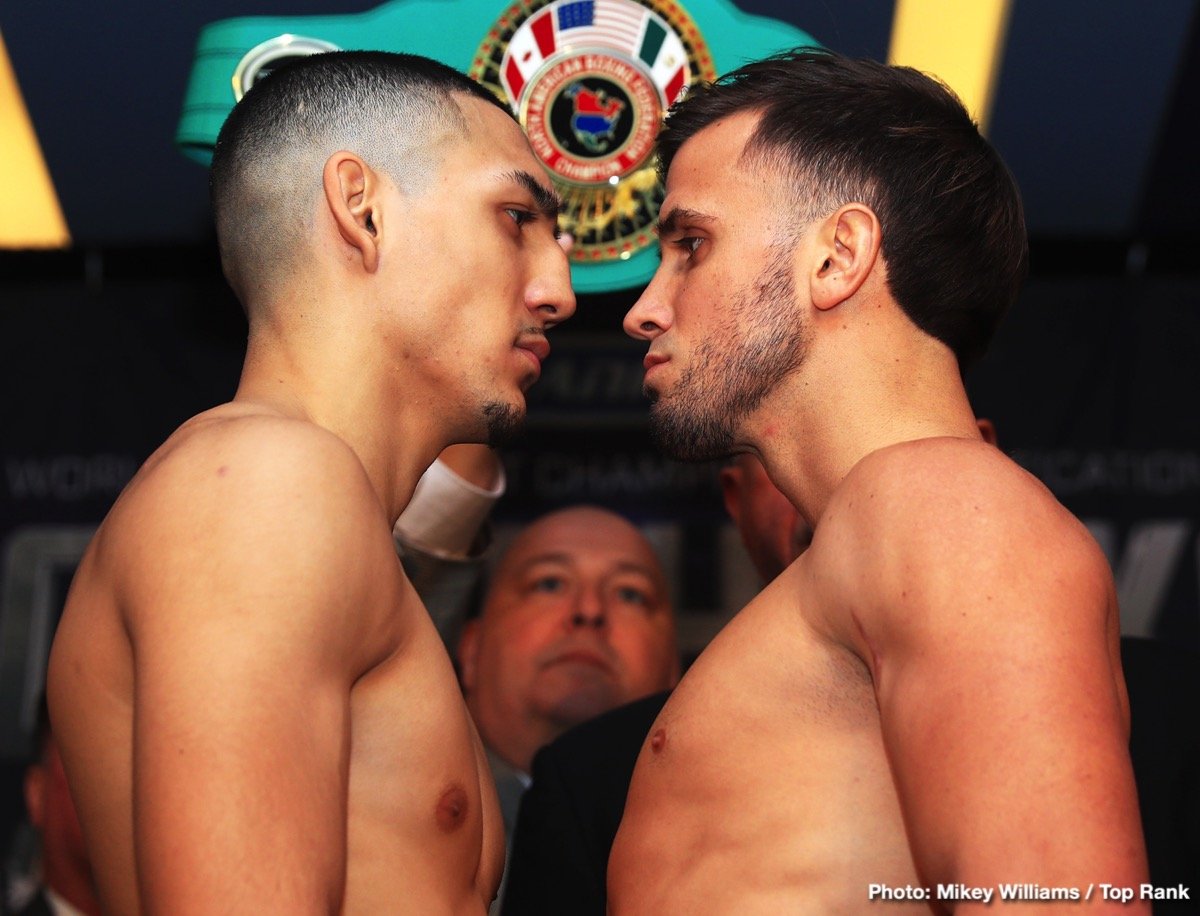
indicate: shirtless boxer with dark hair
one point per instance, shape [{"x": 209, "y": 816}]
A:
[
  {"x": 931, "y": 695},
  {"x": 255, "y": 711}
]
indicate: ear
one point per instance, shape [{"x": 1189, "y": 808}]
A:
[
  {"x": 987, "y": 429},
  {"x": 468, "y": 652},
  {"x": 731, "y": 491},
  {"x": 847, "y": 247},
  {"x": 352, "y": 192},
  {"x": 35, "y": 793},
  {"x": 676, "y": 669}
]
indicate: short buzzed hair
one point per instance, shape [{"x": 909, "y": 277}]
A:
[
  {"x": 389, "y": 109},
  {"x": 838, "y": 131}
]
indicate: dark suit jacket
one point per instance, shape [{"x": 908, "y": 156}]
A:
[
  {"x": 37, "y": 906},
  {"x": 1163, "y": 683},
  {"x": 570, "y": 814}
]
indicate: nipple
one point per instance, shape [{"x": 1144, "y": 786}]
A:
[
  {"x": 658, "y": 740},
  {"x": 452, "y": 809}
]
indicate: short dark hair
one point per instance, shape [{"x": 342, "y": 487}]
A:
[
  {"x": 841, "y": 130},
  {"x": 266, "y": 169}
]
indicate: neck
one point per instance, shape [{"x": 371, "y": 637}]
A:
[
  {"x": 853, "y": 396},
  {"x": 323, "y": 378},
  {"x": 513, "y": 735}
]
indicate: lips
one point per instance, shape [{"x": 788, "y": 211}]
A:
[
  {"x": 650, "y": 363},
  {"x": 579, "y": 655},
  {"x": 652, "y": 360},
  {"x": 536, "y": 349}
]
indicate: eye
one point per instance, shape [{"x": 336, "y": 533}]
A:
[
  {"x": 688, "y": 245},
  {"x": 519, "y": 216},
  {"x": 548, "y": 585},
  {"x": 631, "y": 595}
]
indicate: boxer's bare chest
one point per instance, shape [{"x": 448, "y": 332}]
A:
[
  {"x": 423, "y": 820},
  {"x": 767, "y": 763}
]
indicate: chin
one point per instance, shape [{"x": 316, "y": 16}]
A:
[
  {"x": 686, "y": 434},
  {"x": 503, "y": 422},
  {"x": 577, "y": 699}
]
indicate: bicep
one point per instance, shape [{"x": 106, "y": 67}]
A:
[
  {"x": 257, "y": 586},
  {"x": 247, "y": 638},
  {"x": 240, "y": 767},
  {"x": 1003, "y": 720}
]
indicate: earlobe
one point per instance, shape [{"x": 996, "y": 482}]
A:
[
  {"x": 468, "y": 647},
  {"x": 352, "y": 191},
  {"x": 987, "y": 429},
  {"x": 35, "y": 778},
  {"x": 731, "y": 491},
  {"x": 848, "y": 248},
  {"x": 676, "y": 672}
]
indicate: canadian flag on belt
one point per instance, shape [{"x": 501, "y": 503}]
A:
[{"x": 621, "y": 25}]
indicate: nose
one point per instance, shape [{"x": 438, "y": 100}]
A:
[
  {"x": 650, "y": 315},
  {"x": 549, "y": 296},
  {"x": 588, "y": 611}
]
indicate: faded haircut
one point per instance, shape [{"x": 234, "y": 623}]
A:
[
  {"x": 837, "y": 131},
  {"x": 392, "y": 110}
]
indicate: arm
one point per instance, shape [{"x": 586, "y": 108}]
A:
[
  {"x": 452, "y": 501},
  {"x": 247, "y": 638},
  {"x": 442, "y": 534},
  {"x": 989, "y": 625}
]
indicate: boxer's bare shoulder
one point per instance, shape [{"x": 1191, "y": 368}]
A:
[
  {"x": 987, "y": 617},
  {"x": 248, "y": 457},
  {"x": 241, "y": 498},
  {"x": 930, "y": 524}
]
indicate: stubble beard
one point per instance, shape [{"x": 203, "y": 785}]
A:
[
  {"x": 502, "y": 422},
  {"x": 763, "y": 340}
]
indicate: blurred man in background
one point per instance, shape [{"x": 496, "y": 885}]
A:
[{"x": 576, "y": 620}]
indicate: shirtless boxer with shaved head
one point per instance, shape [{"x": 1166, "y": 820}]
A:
[
  {"x": 255, "y": 711},
  {"x": 932, "y": 693}
]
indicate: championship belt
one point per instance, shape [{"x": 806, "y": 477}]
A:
[{"x": 589, "y": 80}]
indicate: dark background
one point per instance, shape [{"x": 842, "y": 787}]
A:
[{"x": 1093, "y": 382}]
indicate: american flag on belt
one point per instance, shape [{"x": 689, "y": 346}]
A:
[
  {"x": 622, "y": 25},
  {"x": 606, "y": 23}
]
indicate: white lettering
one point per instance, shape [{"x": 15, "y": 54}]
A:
[
  {"x": 1120, "y": 894},
  {"x": 963, "y": 892},
  {"x": 886, "y": 892},
  {"x": 1150, "y": 892}
]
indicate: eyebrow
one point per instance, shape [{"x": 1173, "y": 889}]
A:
[
  {"x": 547, "y": 201},
  {"x": 566, "y": 560},
  {"x": 681, "y": 216}
]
